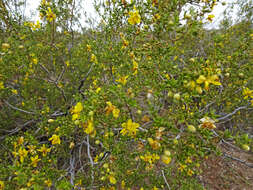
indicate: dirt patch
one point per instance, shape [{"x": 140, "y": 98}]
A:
[{"x": 232, "y": 171}]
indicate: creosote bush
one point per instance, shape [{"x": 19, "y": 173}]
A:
[{"x": 138, "y": 102}]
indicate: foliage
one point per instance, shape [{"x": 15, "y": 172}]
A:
[{"x": 137, "y": 103}]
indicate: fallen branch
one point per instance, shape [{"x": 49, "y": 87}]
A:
[{"x": 238, "y": 160}]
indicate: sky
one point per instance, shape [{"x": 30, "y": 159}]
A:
[{"x": 88, "y": 5}]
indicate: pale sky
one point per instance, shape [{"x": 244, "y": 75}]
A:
[{"x": 88, "y": 5}]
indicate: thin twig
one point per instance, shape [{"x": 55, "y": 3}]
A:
[
  {"x": 91, "y": 160},
  {"x": 165, "y": 180},
  {"x": 85, "y": 78},
  {"x": 72, "y": 169},
  {"x": 18, "y": 109},
  {"x": 232, "y": 113},
  {"x": 238, "y": 160}
]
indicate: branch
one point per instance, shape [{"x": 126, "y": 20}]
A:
[
  {"x": 18, "y": 109},
  {"x": 238, "y": 160},
  {"x": 17, "y": 129},
  {"x": 91, "y": 160},
  {"x": 231, "y": 114},
  {"x": 165, "y": 180},
  {"x": 85, "y": 78}
]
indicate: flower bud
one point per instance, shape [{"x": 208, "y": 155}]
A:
[
  {"x": 177, "y": 96},
  {"x": 50, "y": 121},
  {"x": 191, "y": 128},
  {"x": 245, "y": 147},
  {"x": 5, "y": 46}
]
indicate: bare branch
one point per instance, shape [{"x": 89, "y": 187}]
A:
[
  {"x": 165, "y": 180},
  {"x": 232, "y": 113},
  {"x": 238, "y": 160},
  {"x": 18, "y": 109}
]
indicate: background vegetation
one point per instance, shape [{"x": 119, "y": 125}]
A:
[{"x": 139, "y": 101}]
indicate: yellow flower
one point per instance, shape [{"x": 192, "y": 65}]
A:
[
  {"x": 123, "y": 80},
  {"x": 20, "y": 140},
  {"x": 154, "y": 143},
  {"x": 44, "y": 150},
  {"x": 129, "y": 128},
  {"x": 5, "y": 46},
  {"x": 35, "y": 161},
  {"x": 93, "y": 59},
  {"x": 98, "y": 90},
  {"x": 55, "y": 139},
  {"x": 67, "y": 63},
  {"x": 22, "y": 154},
  {"x": 89, "y": 127},
  {"x": 135, "y": 67},
  {"x": 210, "y": 18},
  {"x": 190, "y": 172},
  {"x": 31, "y": 150},
  {"x": 111, "y": 108},
  {"x": 77, "y": 108},
  {"x": 188, "y": 160},
  {"x": 181, "y": 167},
  {"x": 166, "y": 159},
  {"x": 35, "y": 61},
  {"x": 115, "y": 113},
  {"x": 14, "y": 91},
  {"x": 1, "y": 185},
  {"x": 150, "y": 158},
  {"x": 125, "y": 44},
  {"x": 214, "y": 79},
  {"x": 50, "y": 15},
  {"x": 247, "y": 93},
  {"x": 134, "y": 18},
  {"x": 207, "y": 123},
  {"x": 112, "y": 179},
  {"x": 88, "y": 48},
  {"x": 199, "y": 89},
  {"x": 1, "y": 85},
  {"x": 48, "y": 182},
  {"x": 75, "y": 116}
]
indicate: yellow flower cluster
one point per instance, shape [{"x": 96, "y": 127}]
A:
[
  {"x": 111, "y": 108},
  {"x": 89, "y": 127},
  {"x": 129, "y": 128},
  {"x": 154, "y": 144},
  {"x": 93, "y": 59},
  {"x": 122, "y": 80},
  {"x": 76, "y": 111},
  {"x": 22, "y": 152},
  {"x": 247, "y": 93},
  {"x": 33, "y": 26},
  {"x": 166, "y": 157},
  {"x": 50, "y": 15},
  {"x": 134, "y": 18},
  {"x": 213, "y": 79},
  {"x": 150, "y": 158}
]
